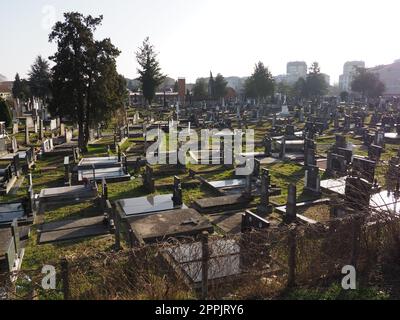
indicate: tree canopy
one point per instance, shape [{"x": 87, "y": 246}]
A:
[
  {"x": 220, "y": 86},
  {"x": 367, "y": 84},
  {"x": 40, "y": 78},
  {"x": 200, "y": 89},
  {"x": 21, "y": 89},
  {"x": 5, "y": 112},
  {"x": 86, "y": 86},
  {"x": 150, "y": 75},
  {"x": 316, "y": 86},
  {"x": 260, "y": 84}
]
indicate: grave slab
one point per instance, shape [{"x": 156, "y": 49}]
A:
[
  {"x": 72, "y": 229},
  {"x": 137, "y": 207},
  {"x": 169, "y": 224},
  {"x": 224, "y": 259},
  {"x": 219, "y": 204},
  {"x": 110, "y": 174},
  {"x": 65, "y": 194}
]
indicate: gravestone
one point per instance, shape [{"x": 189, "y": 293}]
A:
[
  {"x": 364, "y": 168},
  {"x": 15, "y": 234},
  {"x": 265, "y": 207},
  {"x": 346, "y": 153},
  {"x": 148, "y": 179},
  {"x": 282, "y": 153},
  {"x": 291, "y": 209},
  {"x": 341, "y": 141},
  {"x": 177, "y": 193},
  {"x": 379, "y": 139},
  {"x": 289, "y": 131},
  {"x": 251, "y": 221},
  {"x": 267, "y": 146},
  {"x": 257, "y": 168},
  {"x": 26, "y": 133},
  {"x": 357, "y": 194},
  {"x": 336, "y": 164},
  {"x": 15, "y": 127},
  {"x": 16, "y": 165},
  {"x": 309, "y": 152},
  {"x": 374, "y": 152},
  {"x": 312, "y": 180},
  {"x": 67, "y": 171},
  {"x": 41, "y": 129},
  {"x": 14, "y": 145}
]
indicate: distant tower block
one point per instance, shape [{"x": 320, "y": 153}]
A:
[{"x": 182, "y": 90}]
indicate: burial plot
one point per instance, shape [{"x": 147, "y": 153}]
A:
[
  {"x": 364, "y": 168},
  {"x": 336, "y": 164},
  {"x": 165, "y": 225},
  {"x": 357, "y": 194},
  {"x": 221, "y": 204},
  {"x": 142, "y": 206},
  {"x": 385, "y": 202},
  {"x": 8, "y": 177},
  {"x": 375, "y": 152},
  {"x": 26, "y": 158},
  {"x": 251, "y": 221},
  {"x": 67, "y": 194},
  {"x": 392, "y": 137},
  {"x": 224, "y": 260},
  {"x": 99, "y": 163},
  {"x": 11, "y": 211},
  {"x": 312, "y": 180},
  {"x": 117, "y": 174},
  {"x": 337, "y": 186},
  {"x": 291, "y": 149},
  {"x": 68, "y": 230},
  {"x": 12, "y": 243},
  {"x": 110, "y": 168}
]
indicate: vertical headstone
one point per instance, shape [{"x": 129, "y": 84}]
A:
[
  {"x": 265, "y": 207},
  {"x": 282, "y": 153},
  {"x": 291, "y": 210},
  {"x": 15, "y": 234},
  {"x": 177, "y": 193},
  {"x": 41, "y": 129},
  {"x": 312, "y": 179},
  {"x": 26, "y": 132}
]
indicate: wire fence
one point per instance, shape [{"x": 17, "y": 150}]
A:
[{"x": 253, "y": 265}]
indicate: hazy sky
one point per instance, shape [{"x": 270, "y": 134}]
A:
[{"x": 226, "y": 36}]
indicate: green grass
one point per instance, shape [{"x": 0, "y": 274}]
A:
[{"x": 336, "y": 292}]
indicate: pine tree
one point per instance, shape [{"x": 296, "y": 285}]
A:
[{"x": 149, "y": 70}]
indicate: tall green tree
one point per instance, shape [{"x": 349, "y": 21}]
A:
[
  {"x": 300, "y": 89},
  {"x": 150, "y": 75},
  {"x": 200, "y": 89},
  {"x": 367, "y": 84},
  {"x": 85, "y": 86},
  {"x": 40, "y": 78},
  {"x": 316, "y": 84},
  {"x": 260, "y": 85},
  {"x": 176, "y": 86},
  {"x": 220, "y": 86},
  {"x": 21, "y": 89},
  {"x": 5, "y": 112}
]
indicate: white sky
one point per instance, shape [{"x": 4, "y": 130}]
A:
[{"x": 226, "y": 36}]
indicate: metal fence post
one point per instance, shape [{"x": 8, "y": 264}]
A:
[{"x": 204, "y": 265}]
